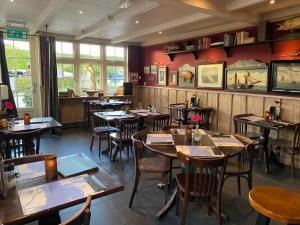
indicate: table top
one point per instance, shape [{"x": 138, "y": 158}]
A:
[
  {"x": 180, "y": 107},
  {"x": 13, "y": 212},
  {"x": 114, "y": 115},
  {"x": 261, "y": 122},
  {"x": 44, "y": 123},
  {"x": 144, "y": 113},
  {"x": 112, "y": 102},
  {"x": 181, "y": 139},
  {"x": 276, "y": 203}
]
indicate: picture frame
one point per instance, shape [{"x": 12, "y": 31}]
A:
[
  {"x": 187, "y": 76},
  {"x": 153, "y": 69},
  {"x": 173, "y": 78},
  {"x": 285, "y": 76},
  {"x": 146, "y": 69},
  {"x": 247, "y": 76},
  {"x": 162, "y": 76},
  {"x": 210, "y": 75},
  {"x": 134, "y": 78}
]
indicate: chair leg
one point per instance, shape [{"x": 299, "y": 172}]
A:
[
  {"x": 166, "y": 187},
  {"x": 177, "y": 203},
  {"x": 109, "y": 147},
  {"x": 92, "y": 143},
  {"x": 293, "y": 165},
  {"x": 127, "y": 148},
  {"x": 100, "y": 139},
  {"x": 239, "y": 184},
  {"x": 184, "y": 209},
  {"x": 135, "y": 186},
  {"x": 250, "y": 181}
]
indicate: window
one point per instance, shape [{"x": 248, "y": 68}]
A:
[
  {"x": 64, "y": 49},
  {"x": 115, "y": 77},
  {"x": 65, "y": 77},
  {"x": 114, "y": 53},
  {"x": 90, "y": 77},
  {"x": 88, "y": 51},
  {"x": 18, "y": 62}
]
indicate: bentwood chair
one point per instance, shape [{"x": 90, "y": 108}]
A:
[
  {"x": 200, "y": 181},
  {"x": 122, "y": 138},
  {"x": 82, "y": 217},
  {"x": 154, "y": 164},
  {"x": 100, "y": 129},
  {"x": 22, "y": 143},
  {"x": 176, "y": 114},
  {"x": 205, "y": 114},
  {"x": 160, "y": 121},
  {"x": 241, "y": 165},
  {"x": 291, "y": 148}
]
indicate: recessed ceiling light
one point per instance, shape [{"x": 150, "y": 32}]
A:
[
  {"x": 160, "y": 32},
  {"x": 57, "y": 29},
  {"x": 80, "y": 12},
  {"x": 11, "y": 0},
  {"x": 137, "y": 22},
  {"x": 272, "y": 1}
]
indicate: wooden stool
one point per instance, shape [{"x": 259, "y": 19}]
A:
[{"x": 275, "y": 203}]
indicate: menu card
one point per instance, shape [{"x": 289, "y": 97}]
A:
[
  {"x": 160, "y": 139},
  {"x": 197, "y": 151},
  {"x": 226, "y": 141}
]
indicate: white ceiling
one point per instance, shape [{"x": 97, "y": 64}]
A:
[{"x": 176, "y": 19}]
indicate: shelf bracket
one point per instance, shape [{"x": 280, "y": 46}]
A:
[
  {"x": 171, "y": 56},
  {"x": 227, "y": 51},
  {"x": 271, "y": 46}
]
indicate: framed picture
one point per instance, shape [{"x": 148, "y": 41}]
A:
[
  {"x": 173, "y": 78},
  {"x": 247, "y": 76},
  {"x": 285, "y": 76},
  {"x": 146, "y": 69},
  {"x": 153, "y": 69},
  {"x": 162, "y": 76},
  {"x": 134, "y": 78},
  {"x": 186, "y": 76},
  {"x": 210, "y": 75}
]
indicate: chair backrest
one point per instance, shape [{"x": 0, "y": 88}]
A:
[
  {"x": 296, "y": 140},
  {"x": 127, "y": 127},
  {"x": 210, "y": 173},
  {"x": 205, "y": 114},
  {"x": 82, "y": 217},
  {"x": 96, "y": 121},
  {"x": 160, "y": 121},
  {"x": 86, "y": 107},
  {"x": 23, "y": 142},
  {"x": 137, "y": 139},
  {"x": 175, "y": 114},
  {"x": 239, "y": 127},
  {"x": 246, "y": 156}
]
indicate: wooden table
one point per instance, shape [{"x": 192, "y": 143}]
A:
[
  {"x": 11, "y": 211},
  {"x": 170, "y": 152},
  {"x": 112, "y": 103},
  {"x": 275, "y": 203},
  {"x": 265, "y": 128},
  {"x": 114, "y": 115}
]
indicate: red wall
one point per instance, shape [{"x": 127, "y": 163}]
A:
[{"x": 260, "y": 52}]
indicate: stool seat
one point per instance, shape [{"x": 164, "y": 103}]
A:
[{"x": 276, "y": 203}]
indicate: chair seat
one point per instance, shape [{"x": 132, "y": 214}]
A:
[
  {"x": 181, "y": 183},
  {"x": 116, "y": 137},
  {"x": 234, "y": 168},
  {"x": 157, "y": 164},
  {"x": 104, "y": 129}
]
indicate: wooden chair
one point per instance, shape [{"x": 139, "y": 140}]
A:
[
  {"x": 241, "y": 128},
  {"x": 86, "y": 113},
  {"x": 100, "y": 128},
  {"x": 127, "y": 127},
  {"x": 82, "y": 217},
  {"x": 157, "y": 164},
  {"x": 291, "y": 148},
  {"x": 23, "y": 143},
  {"x": 175, "y": 114},
  {"x": 160, "y": 121},
  {"x": 205, "y": 114},
  {"x": 242, "y": 166},
  {"x": 201, "y": 181}
]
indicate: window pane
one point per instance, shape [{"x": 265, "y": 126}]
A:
[
  {"x": 60, "y": 72},
  {"x": 120, "y": 54},
  {"x": 23, "y": 84},
  {"x": 85, "y": 51},
  {"x": 110, "y": 53},
  {"x": 23, "y": 67},
  {"x": 111, "y": 72},
  {"x": 9, "y": 51},
  {"x": 67, "y": 50},
  {"x": 58, "y": 49},
  {"x": 88, "y": 76},
  {"x": 95, "y": 51},
  {"x": 22, "y": 49},
  {"x": 68, "y": 70},
  {"x": 119, "y": 72}
]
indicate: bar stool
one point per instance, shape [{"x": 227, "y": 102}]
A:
[{"x": 275, "y": 203}]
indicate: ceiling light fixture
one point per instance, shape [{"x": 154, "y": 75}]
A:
[
  {"x": 11, "y": 0},
  {"x": 125, "y": 4},
  {"x": 160, "y": 32},
  {"x": 80, "y": 12},
  {"x": 272, "y": 2},
  {"x": 137, "y": 22}
]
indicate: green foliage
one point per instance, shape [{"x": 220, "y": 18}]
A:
[
  {"x": 23, "y": 84},
  {"x": 28, "y": 99}
]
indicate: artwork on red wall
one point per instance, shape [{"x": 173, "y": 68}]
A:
[
  {"x": 146, "y": 69},
  {"x": 153, "y": 69},
  {"x": 134, "y": 78},
  {"x": 162, "y": 76},
  {"x": 247, "y": 76},
  {"x": 173, "y": 78},
  {"x": 186, "y": 76},
  {"x": 210, "y": 75}
]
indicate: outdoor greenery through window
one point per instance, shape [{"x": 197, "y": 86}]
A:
[
  {"x": 65, "y": 77},
  {"x": 64, "y": 49},
  {"x": 88, "y": 51},
  {"x": 18, "y": 63},
  {"x": 114, "y": 53},
  {"x": 115, "y": 77},
  {"x": 90, "y": 78}
]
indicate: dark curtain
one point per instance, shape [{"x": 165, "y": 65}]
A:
[
  {"x": 49, "y": 76},
  {"x": 5, "y": 76}
]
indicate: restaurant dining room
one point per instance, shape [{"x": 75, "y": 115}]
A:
[{"x": 149, "y": 112}]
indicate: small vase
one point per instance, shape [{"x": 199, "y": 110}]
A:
[{"x": 196, "y": 134}]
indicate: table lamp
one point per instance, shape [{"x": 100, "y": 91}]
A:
[{"x": 50, "y": 167}]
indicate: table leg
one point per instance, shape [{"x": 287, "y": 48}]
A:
[
  {"x": 170, "y": 204},
  {"x": 53, "y": 219},
  {"x": 185, "y": 114},
  {"x": 264, "y": 141},
  {"x": 262, "y": 220}
]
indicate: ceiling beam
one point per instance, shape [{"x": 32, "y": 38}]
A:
[
  {"x": 240, "y": 4},
  {"x": 197, "y": 33},
  {"x": 136, "y": 9},
  {"x": 218, "y": 9},
  {"x": 163, "y": 26},
  {"x": 51, "y": 10}
]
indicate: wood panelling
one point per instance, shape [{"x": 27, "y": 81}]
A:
[
  {"x": 157, "y": 97},
  {"x": 239, "y": 106},
  {"x": 255, "y": 105},
  {"x": 224, "y": 113},
  {"x": 164, "y": 100},
  {"x": 181, "y": 96},
  {"x": 172, "y": 96},
  {"x": 203, "y": 98},
  {"x": 213, "y": 102}
]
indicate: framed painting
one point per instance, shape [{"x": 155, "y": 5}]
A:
[
  {"x": 173, "y": 78},
  {"x": 162, "y": 76},
  {"x": 186, "y": 76},
  {"x": 285, "y": 76},
  {"x": 247, "y": 76},
  {"x": 210, "y": 75},
  {"x": 134, "y": 78},
  {"x": 153, "y": 69},
  {"x": 146, "y": 69}
]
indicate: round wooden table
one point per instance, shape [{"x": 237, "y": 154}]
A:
[{"x": 275, "y": 203}]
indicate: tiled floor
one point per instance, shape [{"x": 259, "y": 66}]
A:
[{"x": 113, "y": 209}]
